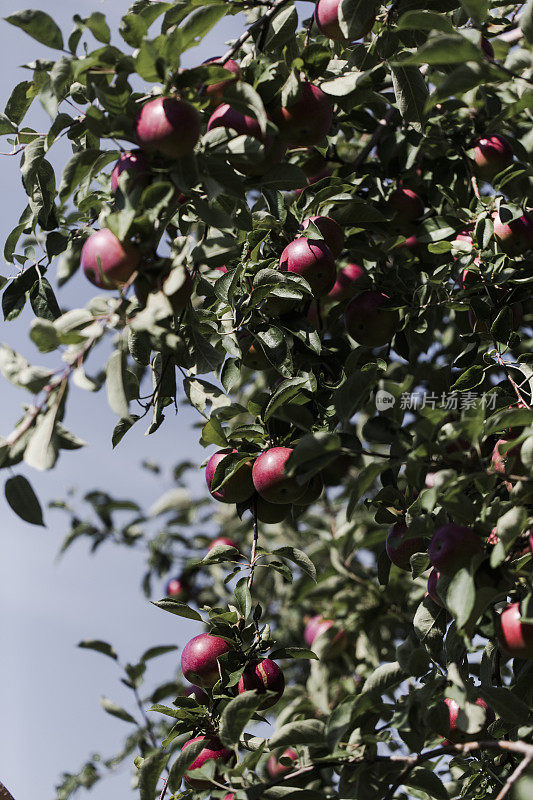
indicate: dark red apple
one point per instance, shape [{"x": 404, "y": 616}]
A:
[
  {"x": 346, "y": 285},
  {"x": 515, "y": 636},
  {"x": 452, "y": 547},
  {"x": 276, "y": 769},
  {"x": 508, "y": 462},
  {"x": 213, "y": 750},
  {"x": 454, "y": 733},
  {"x": 330, "y": 230},
  {"x": 227, "y": 117},
  {"x": 238, "y": 488},
  {"x": 179, "y": 589},
  {"x": 135, "y": 165},
  {"x": 325, "y": 172},
  {"x": 327, "y": 20},
  {"x": 313, "y": 260},
  {"x": 400, "y": 549},
  {"x": 168, "y": 125},
  {"x": 199, "y": 659},
  {"x": 492, "y": 154},
  {"x": 270, "y": 479},
  {"x": 406, "y": 204},
  {"x": 263, "y": 676},
  {"x": 106, "y": 261},
  {"x": 223, "y": 540},
  {"x": 434, "y": 576},
  {"x": 271, "y": 513},
  {"x": 307, "y": 119},
  {"x": 317, "y": 626},
  {"x": 369, "y": 321},
  {"x": 199, "y": 695},
  {"x": 515, "y": 237},
  {"x": 215, "y": 91}
]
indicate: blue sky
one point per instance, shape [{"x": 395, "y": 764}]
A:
[{"x": 50, "y": 690}]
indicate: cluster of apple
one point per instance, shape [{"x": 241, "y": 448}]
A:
[
  {"x": 200, "y": 666},
  {"x": 453, "y": 547}
]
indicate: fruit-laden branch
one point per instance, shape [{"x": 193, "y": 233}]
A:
[
  {"x": 4, "y": 794},
  {"x": 257, "y": 24}
]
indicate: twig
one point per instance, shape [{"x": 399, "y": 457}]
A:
[
  {"x": 164, "y": 790},
  {"x": 254, "y": 543},
  {"x": 513, "y": 777},
  {"x": 374, "y": 139},
  {"x": 259, "y": 23},
  {"x": 510, "y": 378},
  {"x": 4, "y": 794}
]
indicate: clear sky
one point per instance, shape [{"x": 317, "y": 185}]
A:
[{"x": 49, "y": 691}]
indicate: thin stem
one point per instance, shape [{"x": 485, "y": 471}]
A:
[
  {"x": 4, "y": 794},
  {"x": 164, "y": 790},
  {"x": 259, "y": 23},
  {"x": 374, "y": 139},
  {"x": 253, "y": 556}
]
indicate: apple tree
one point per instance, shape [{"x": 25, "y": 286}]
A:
[{"x": 320, "y": 240}]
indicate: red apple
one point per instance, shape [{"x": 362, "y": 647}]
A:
[
  {"x": 406, "y": 204},
  {"x": 223, "y": 540},
  {"x": 106, "y": 261},
  {"x": 434, "y": 576},
  {"x": 307, "y": 119},
  {"x": 514, "y": 237},
  {"x": 263, "y": 676},
  {"x": 316, "y": 627},
  {"x": 508, "y": 462},
  {"x": 199, "y": 659},
  {"x": 215, "y": 91},
  {"x": 213, "y": 750},
  {"x": 238, "y": 488},
  {"x": 199, "y": 695},
  {"x": 400, "y": 549},
  {"x": 369, "y": 321},
  {"x": 253, "y": 355},
  {"x": 452, "y": 547},
  {"x": 178, "y": 588},
  {"x": 229, "y": 796},
  {"x": 276, "y": 769},
  {"x": 330, "y": 230},
  {"x": 325, "y": 172},
  {"x": 454, "y": 733},
  {"x": 313, "y": 260},
  {"x": 346, "y": 284},
  {"x": 327, "y": 20},
  {"x": 270, "y": 479},
  {"x": 135, "y": 165},
  {"x": 514, "y": 636},
  {"x": 227, "y": 117},
  {"x": 271, "y": 513},
  {"x": 168, "y": 125},
  {"x": 492, "y": 154}
]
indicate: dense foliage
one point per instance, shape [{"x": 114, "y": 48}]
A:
[{"x": 326, "y": 250}]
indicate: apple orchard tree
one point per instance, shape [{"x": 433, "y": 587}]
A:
[{"x": 319, "y": 239}]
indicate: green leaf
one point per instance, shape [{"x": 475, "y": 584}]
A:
[
  {"x": 510, "y": 526},
  {"x": 175, "y": 607},
  {"x": 115, "y": 383},
  {"x": 461, "y": 596},
  {"x": 43, "y": 300},
  {"x": 506, "y": 704},
  {"x": 411, "y": 92},
  {"x": 150, "y": 773},
  {"x": 101, "y": 647},
  {"x": 353, "y": 17},
  {"x": 236, "y": 716},
  {"x": 283, "y": 394},
  {"x": 243, "y": 97},
  {"x": 155, "y": 652},
  {"x": 298, "y": 557},
  {"x": 384, "y": 677},
  {"x": 122, "y": 427},
  {"x": 182, "y": 764},
  {"x": 429, "y": 782},
  {"x": 305, "y": 731},
  {"x": 23, "y": 500},
  {"x": 293, "y": 652},
  {"x": 39, "y": 26},
  {"x": 243, "y": 597},
  {"x": 364, "y": 480},
  {"x": 476, "y": 9},
  {"x": 446, "y": 50},
  {"x": 424, "y": 21},
  {"x": 526, "y": 21},
  {"x": 19, "y": 101},
  {"x": 468, "y": 380},
  {"x": 116, "y": 711}
]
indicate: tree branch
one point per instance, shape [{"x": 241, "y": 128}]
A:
[
  {"x": 272, "y": 11},
  {"x": 4, "y": 794}
]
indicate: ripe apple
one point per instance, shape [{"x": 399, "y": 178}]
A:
[
  {"x": 434, "y": 576},
  {"x": 454, "y": 733},
  {"x": 106, "y": 261},
  {"x": 492, "y": 154},
  {"x": 179, "y": 589},
  {"x": 317, "y": 626},
  {"x": 406, "y": 204},
  {"x": 271, "y": 513},
  {"x": 213, "y": 750},
  {"x": 223, "y": 540},
  {"x": 514, "y": 636},
  {"x": 508, "y": 462},
  {"x": 263, "y": 676},
  {"x": 253, "y": 355},
  {"x": 168, "y": 125},
  {"x": 135, "y": 165},
  {"x": 199, "y": 659},
  {"x": 330, "y": 230},
  {"x": 327, "y": 20},
  {"x": 400, "y": 549},
  {"x": 229, "y": 796},
  {"x": 227, "y": 117},
  {"x": 514, "y": 237},
  {"x": 276, "y": 769},
  {"x": 324, "y": 172},
  {"x": 270, "y": 479},
  {"x": 347, "y": 281},
  {"x": 199, "y": 695},
  {"x": 452, "y": 547},
  {"x": 238, "y": 488},
  {"x": 313, "y": 260},
  {"x": 215, "y": 91},
  {"x": 307, "y": 119},
  {"x": 369, "y": 321}
]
